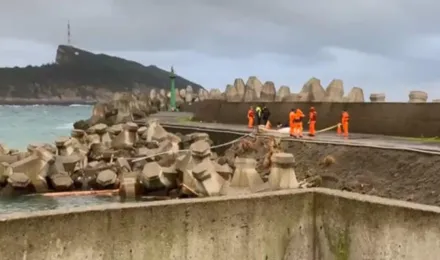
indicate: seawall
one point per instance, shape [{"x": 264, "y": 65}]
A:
[
  {"x": 298, "y": 224},
  {"x": 398, "y": 119}
]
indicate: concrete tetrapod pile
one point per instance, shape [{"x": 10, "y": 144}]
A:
[{"x": 140, "y": 160}]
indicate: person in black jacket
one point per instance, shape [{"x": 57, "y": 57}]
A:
[{"x": 265, "y": 114}]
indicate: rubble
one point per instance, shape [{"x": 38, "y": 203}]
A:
[{"x": 145, "y": 160}]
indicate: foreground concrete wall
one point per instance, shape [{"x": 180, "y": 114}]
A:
[
  {"x": 301, "y": 224},
  {"x": 257, "y": 227},
  {"x": 353, "y": 226},
  {"x": 399, "y": 119}
]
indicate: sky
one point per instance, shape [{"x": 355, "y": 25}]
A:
[{"x": 389, "y": 47}]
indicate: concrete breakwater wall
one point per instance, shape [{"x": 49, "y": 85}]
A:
[
  {"x": 300, "y": 224},
  {"x": 398, "y": 119}
]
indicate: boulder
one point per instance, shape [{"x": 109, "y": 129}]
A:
[
  {"x": 255, "y": 84},
  {"x": 377, "y": 97},
  {"x": 268, "y": 92},
  {"x": 355, "y": 95},
  {"x": 416, "y": 96},
  {"x": 334, "y": 91},
  {"x": 283, "y": 93}
]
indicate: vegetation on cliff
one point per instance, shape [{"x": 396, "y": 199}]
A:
[{"x": 79, "y": 74}]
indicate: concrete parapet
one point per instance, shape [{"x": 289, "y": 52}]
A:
[{"x": 296, "y": 224}]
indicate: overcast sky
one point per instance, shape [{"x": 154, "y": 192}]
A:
[{"x": 390, "y": 46}]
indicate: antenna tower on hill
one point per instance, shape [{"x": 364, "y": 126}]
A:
[{"x": 68, "y": 33}]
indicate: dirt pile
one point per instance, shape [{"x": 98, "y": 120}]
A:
[{"x": 399, "y": 175}]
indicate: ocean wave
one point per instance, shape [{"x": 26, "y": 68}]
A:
[
  {"x": 79, "y": 105},
  {"x": 65, "y": 126}
]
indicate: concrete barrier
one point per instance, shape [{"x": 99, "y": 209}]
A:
[
  {"x": 297, "y": 224},
  {"x": 398, "y": 119}
]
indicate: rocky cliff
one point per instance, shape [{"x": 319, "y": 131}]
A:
[{"x": 79, "y": 76}]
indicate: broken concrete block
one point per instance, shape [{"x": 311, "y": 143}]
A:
[
  {"x": 78, "y": 134},
  {"x": 130, "y": 188},
  {"x": 36, "y": 169},
  {"x": 123, "y": 165},
  {"x": 127, "y": 138},
  {"x": 5, "y": 172},
  {"x": 114, "y": 130},
  {"x": 61, "y": 181},
  {"x": 211, "y": 181},
  {"x": 99, "y": 129},
  {"x": 64, "y": 146},
  {"x": 282, "y": 175},
  {"x": 155, "y": 132},
  {"x": 224, "y": 170},
  {"x": 150, "y": 176},
  {"x": 4, "y": 149},
  {"x": 200, "y": 149},
  {"x": 106, "y": 178},
  {"x": 245, "y": 175},
  {"x": 169, "y": 176},
  {"x": 19, "y": 180},
  {"x": 142, "y": 130}
]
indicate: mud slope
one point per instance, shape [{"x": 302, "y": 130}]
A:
[{"x": 400, "y": 175}]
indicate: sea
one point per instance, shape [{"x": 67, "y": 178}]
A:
[{"x": 22, "y": 125}]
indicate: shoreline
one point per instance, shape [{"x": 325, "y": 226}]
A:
[{"x": 18, "y": 102}]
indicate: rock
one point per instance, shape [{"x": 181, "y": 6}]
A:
[
  {"x": 335, "y": 91},
  {"x": 255, "y": 84},
  {"x": 355, "y": 95},
  {"x": 268, "y": 92},
  {"x": 283, "y": 93},
  {"x": 312, "y": 91},
  {"x": 416, "y": 96},
  {"x": 19, "y": 180},
  {"x": 377, "y": 97},
  {"x": 106, "y": 178},
  {"x": 282, "y": 175}
]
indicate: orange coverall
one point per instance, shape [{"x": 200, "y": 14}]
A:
[
  {"x": 312, "y": 121},
  {"x": 251, "y": 116},
  {"x": 292, "y": 123},
  {"x": 298, "y": 127},
  {"x": 344, "y": 121}
]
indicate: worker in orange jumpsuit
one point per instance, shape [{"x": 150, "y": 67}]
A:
[
  {"x": 299, "y": 116},
  {"x": 344, "y": 121},
  {"x": 292, "y": 122},
  {"x": 251, "y": 117},
  {"x": 312, "y": 121}
]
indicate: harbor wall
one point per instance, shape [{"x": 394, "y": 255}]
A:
[
  {"x": 300, "y": 224},
  {"x": 397, "y": 119}
]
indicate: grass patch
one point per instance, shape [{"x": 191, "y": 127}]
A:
[{"x": 435, "y": 139}]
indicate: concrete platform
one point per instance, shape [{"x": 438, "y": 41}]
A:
[{"x": 180, "y": 120}]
